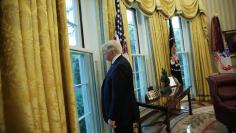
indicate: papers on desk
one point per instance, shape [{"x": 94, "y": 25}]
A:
[{"x": 152, "y": 94}]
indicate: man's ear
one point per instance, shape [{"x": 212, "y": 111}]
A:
[{"x": 113, "y": 52}]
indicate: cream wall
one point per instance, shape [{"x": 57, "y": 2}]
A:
[{"x": 225, "y": 10}]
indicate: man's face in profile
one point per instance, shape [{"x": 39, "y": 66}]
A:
[{"x": 108, "y": 55}]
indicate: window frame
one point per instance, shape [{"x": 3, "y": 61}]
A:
[
  {"x": 138, "y": 54},
  {"x": 91, "y": 90},
  {"x": 185, "y": 51}
]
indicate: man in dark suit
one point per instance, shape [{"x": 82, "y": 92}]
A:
[{"x": 119, "y": 106}]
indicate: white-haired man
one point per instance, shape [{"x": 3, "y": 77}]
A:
[{"x": 119, "y": 106}]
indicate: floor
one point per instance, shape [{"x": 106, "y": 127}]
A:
[{"x": 151, "y": 125}]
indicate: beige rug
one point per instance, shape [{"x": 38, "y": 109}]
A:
[{"x": 202, "y": 121}]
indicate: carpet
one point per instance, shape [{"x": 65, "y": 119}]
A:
[{"x": 202, "y": 121}]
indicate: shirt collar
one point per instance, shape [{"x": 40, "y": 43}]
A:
[{"x": 114, "y": 58}]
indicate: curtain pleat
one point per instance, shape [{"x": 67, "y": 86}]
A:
[
  {"x": 27, "y": 42},
  {"x": 160, "y": 44},
  {"x": 36, "y": 87},
  {"x": 128, "y": 3},
  {"x": 16, "y": 97},
  {"x": 2, "y": 124},
  {"x": 188, "y": 8},
  {"x": 66, "y": 69},
  {"x": 201, "y": 55},
  {"x": 110, "y": 21},
  {"x": 168, "y": 7},
  {"x": 147, "y": 6},
  {"x": 43, "y": 114},
  {"x": 47, "y": 56}
]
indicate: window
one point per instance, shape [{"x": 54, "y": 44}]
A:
[
  {"x": 182, "y": 48},
  {"x": 138, "y": 59},
  {"x": 73, "y": 23},
  {"x": 133, "y": 33},
  {"x": 83, "y": 73}
]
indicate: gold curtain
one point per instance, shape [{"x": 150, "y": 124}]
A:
[
  {"x": 186, "y": 8},
  {"x": 2, "y": 125},
  {"x": 202, "y": 61},
  {"x": 128, "y": 3},
  {"x": 109, "y": 12},
  {"x": 147, "y": 6},
  {"x": 167, "y": 7},
  {"x": 160, "y": 43},
  {"x": 36, "y": 64}
]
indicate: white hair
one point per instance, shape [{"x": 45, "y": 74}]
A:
[{"x": 112, "y": 45}]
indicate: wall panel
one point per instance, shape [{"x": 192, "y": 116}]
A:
[{"x": 225, "y": 9}]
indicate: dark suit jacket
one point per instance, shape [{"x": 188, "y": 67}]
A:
[{"x": 118, "y": 98}]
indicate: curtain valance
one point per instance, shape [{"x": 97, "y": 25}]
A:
[{"x": 186, "y": 8}]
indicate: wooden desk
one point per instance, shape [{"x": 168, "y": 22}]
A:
[{"x": 169, "y": 106}]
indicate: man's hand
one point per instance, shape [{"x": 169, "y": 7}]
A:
[{"x": 112, "y": 123}]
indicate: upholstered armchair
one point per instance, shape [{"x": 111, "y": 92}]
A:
[{"x": 223, "y": 94}]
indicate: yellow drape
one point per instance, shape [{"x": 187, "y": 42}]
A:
[
  {"x": 167, "y": 7},
  {"x": 109, "y": 12},
  {"x": 160, "y": 37},
  {"x": 147, "y": 6},
  {"x": 36, "y": 64},
  {"x": 2, "y": 125},
  {"x": 186, "y": 8},
  {"x": 202, "y": 61},
  {"x": 128, "y": 3}
]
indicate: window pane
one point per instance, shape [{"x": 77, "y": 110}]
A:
[
  {"x": 138, "y": 95},
  {"x": 76, "y": 69},
  {"x": 175, "y": 22},
  {"x": 79, "y": 100},
  {"x": 140, "y": 80},
  {"x": 82, "y": 126},
  {"x": 178, "y": 39},
  {"x": 136, "y": 65},
  {"x": 137, "y": 81},
  {"x": 133, "y": 33},
  {"x": 73, "y": 22},
  {"x": 185, "y": 71},
  {"x": 130, "y": 17}
]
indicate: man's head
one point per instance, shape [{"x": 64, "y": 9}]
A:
[{"x": 111, "y": 49}]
